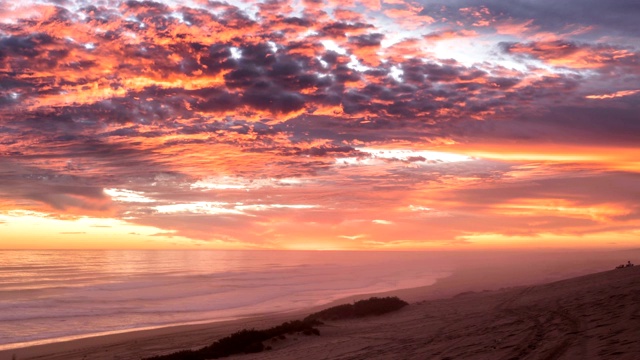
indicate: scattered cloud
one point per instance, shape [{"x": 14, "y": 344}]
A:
[{"x": 266, "y": 123}]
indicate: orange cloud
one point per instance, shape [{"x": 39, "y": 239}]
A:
[
  {"x": 371, "y": 4},
  {"x": 568, "y": 54}
]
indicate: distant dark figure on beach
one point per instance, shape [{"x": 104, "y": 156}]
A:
[{"x": 622, "y": 266}]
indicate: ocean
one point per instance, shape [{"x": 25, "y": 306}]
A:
[{"x": 50, "y": 296}]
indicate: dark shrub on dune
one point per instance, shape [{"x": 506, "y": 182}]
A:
[
  {"x": 251, "y": 341},
  {"x": 244, "y": 341},
  {"x": 362, "y": 308}
]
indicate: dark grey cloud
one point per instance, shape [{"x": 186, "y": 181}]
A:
[
  {"x": 339, "y": 29},
  {"x": 368, "y": 40},
  {"x": 612, "y": 122},
  {"x": 60, "y": 192}
]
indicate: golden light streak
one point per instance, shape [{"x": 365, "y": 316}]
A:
[
  {"x": 561, "y": 208},
  {"x": 603, "y": 240},
  {"x": 36, "y": 230},
  {"x": 614, "y": 95},
  {"x": 595, "y": 157}
]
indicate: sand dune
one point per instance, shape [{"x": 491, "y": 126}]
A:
[
  {"x": 595, "y": 316},
  {"x": 590, "y": 317}
]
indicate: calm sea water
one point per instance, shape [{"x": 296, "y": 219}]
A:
[{"x": 48, "y": 296}]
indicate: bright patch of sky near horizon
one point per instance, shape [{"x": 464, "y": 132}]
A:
[{"x": 287, "y": 124}]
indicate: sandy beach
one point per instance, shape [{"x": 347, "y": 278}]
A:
[{"x": 594, "y": 316}]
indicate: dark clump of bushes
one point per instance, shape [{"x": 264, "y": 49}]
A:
[
  {"x": 244, "y": 341},
  {"x": 252, "y": 341},
  {"x": 362, "y": 308}
]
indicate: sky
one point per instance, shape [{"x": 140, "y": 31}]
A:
[{"x": 320, "y": 124}]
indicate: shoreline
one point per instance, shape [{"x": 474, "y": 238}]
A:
[
  {"x": 37, "y": 349},
  {"x": 40, "y": 349},
  {"x": 299, "y": 311},
  {"x": 52, "y": 341},
  {"x": 464, "y": 280},
  {"x": 171, "y": 338}
]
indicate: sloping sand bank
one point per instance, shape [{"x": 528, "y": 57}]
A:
[{"x": 589, "y": 317}]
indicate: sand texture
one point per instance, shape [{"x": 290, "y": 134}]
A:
[{"x": 589, "y": 317}]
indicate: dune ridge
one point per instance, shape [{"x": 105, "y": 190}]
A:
[{"x": 595, "y": 316}]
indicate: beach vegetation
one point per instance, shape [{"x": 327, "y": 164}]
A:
[
  {"x": 245, "y": 341},
  {"x": 252, "y": 341},
  {"x": 361, "y": 308}
]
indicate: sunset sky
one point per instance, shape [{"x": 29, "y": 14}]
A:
[{"x": 320, "y": 124}]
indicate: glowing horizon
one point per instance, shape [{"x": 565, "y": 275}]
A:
[{"x": 322, "y": 125}]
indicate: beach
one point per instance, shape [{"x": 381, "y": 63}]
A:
[{"x": 589, "y": 316}]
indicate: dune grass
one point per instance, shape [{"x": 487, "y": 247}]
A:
[
  {"x": 252, "y": 341},
  {"x": 362, "y": 308}
]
